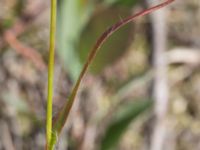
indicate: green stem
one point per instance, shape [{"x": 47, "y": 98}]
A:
[{"x": 51, "y": 72}]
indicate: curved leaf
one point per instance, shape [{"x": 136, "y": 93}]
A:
[
  {"x": 121, "y": 123},
  {"x": 63, "y": 114}
]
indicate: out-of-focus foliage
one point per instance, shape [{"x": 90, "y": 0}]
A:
[
  {"x": 109, "y": 52},
  {"x": 123, "y": 118},
  {"x": 78, "y": 30},
  {"x": 129, "y": 3},
  {"x": 72, "y": 17}
]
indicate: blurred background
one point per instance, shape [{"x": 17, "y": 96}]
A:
[{"x": 155, "y": 58}]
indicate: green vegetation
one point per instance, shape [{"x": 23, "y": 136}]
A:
[{"x": 117, "y": 127}]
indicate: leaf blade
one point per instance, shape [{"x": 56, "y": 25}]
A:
[{"x": 118, "y": 127}]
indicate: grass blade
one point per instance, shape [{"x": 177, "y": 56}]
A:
[
  {"x": 121, "y": 123},
  {"x": 51, "y": 72}
]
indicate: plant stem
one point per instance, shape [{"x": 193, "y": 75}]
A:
[{"x": 51, "y": 72}]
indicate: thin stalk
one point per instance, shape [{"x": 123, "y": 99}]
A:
[
  {"x": 62, "y": 116},
  {"x": 51, "y": 71}
]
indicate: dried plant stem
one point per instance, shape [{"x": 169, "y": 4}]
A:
[
  {"x": 62, "y": 116},
  {"x": 51, "y": 72},
  {"x": 160, "y": 85}
]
